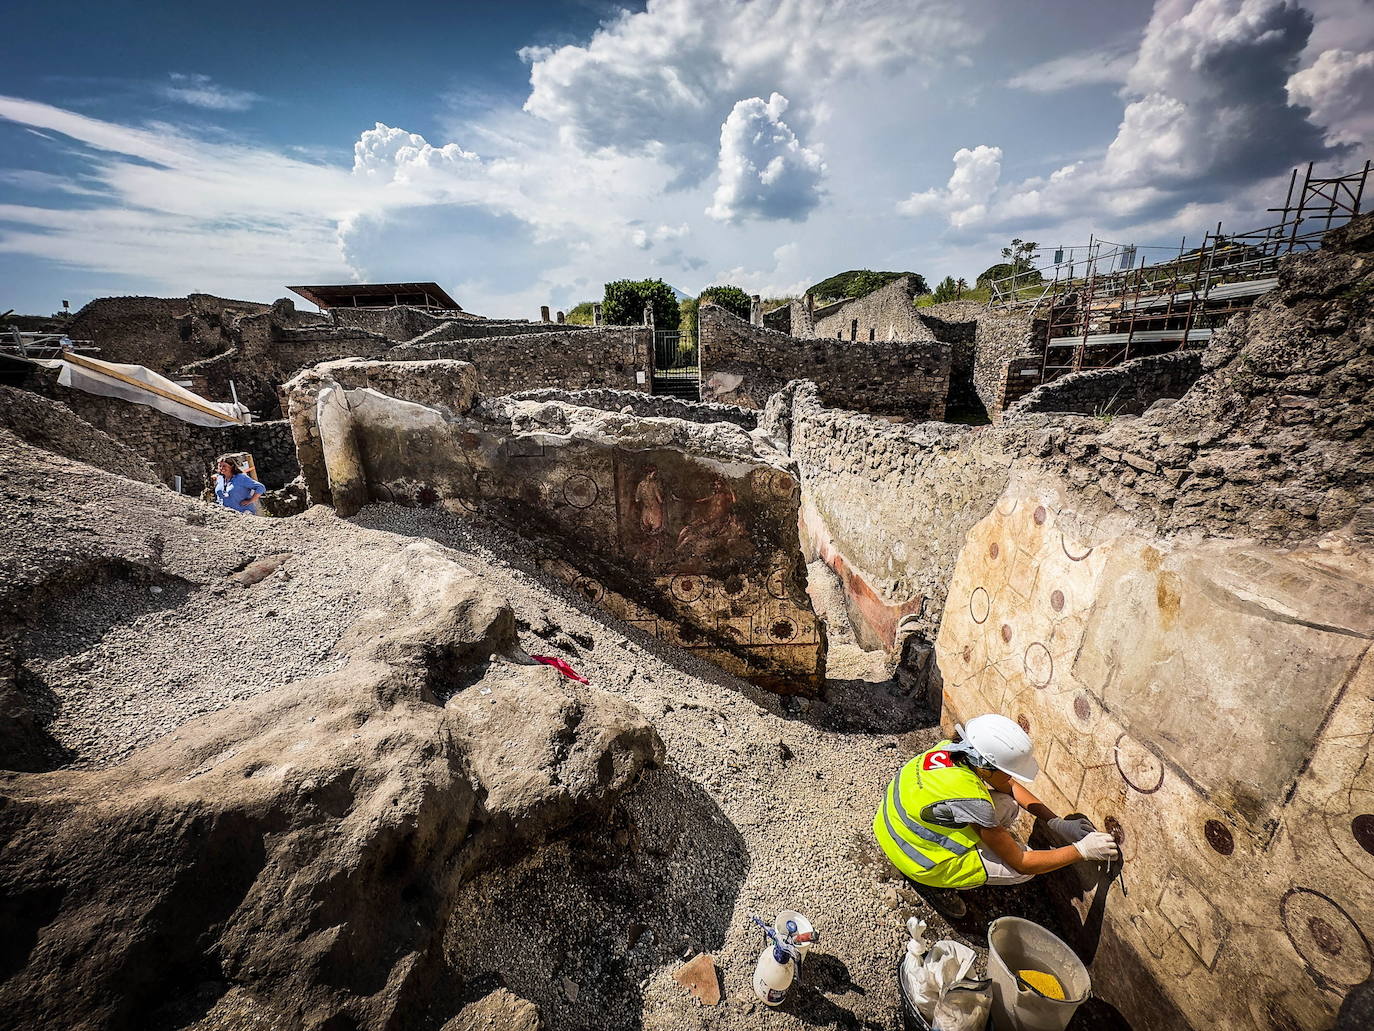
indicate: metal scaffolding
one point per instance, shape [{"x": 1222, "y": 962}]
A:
[{"x": 1098, "y": 311}]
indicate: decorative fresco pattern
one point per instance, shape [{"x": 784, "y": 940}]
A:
[
  {"x": 700, "y": 552},
  {"x": 1212, "y": 707}
]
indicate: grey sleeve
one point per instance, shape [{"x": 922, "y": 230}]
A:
[{"x": 959, "y": 812}]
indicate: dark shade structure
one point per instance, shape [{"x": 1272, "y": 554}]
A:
[{"x": 378, "y": 295}]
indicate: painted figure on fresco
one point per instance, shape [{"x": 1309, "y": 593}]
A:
[
  {"x": 714, "y": 523},
  {"x": 649, "y": 498}
]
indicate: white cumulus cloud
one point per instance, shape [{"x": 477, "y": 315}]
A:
[
  {"x": 661, "y": 80},
  {"x": 1338, "y": 87},
  {"x": 964, "y": 199},
  {"x": 765, "y": 171}
]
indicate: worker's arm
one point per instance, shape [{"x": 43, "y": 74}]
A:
[
  {"x": 1024, "y": 860},
  {"x": 1030, "y": 803}
]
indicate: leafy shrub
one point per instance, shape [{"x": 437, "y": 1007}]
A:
[
  {"x": 626, "y": 299},
  {"x": 581, "y": 315},
  {"x": 731, "y": 298}
]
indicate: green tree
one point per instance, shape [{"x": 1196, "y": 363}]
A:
[
  {"x": 687, "y": 307},
  {"x": 1020, "y": 255},
  {"x": 581, "y": 315},
  {"x": 731, "y": 298},
  {"x": 946, "y": 290},
  {"x": 626, "y": 299}
]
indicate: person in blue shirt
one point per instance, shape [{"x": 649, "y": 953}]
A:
[{"x": 236, "y": 490}]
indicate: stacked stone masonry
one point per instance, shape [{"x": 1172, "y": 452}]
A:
[
  {"x": 1126, "y": 389},
  {"x": 567, "y": 357},
  {"x": 744, "y": 365},
  {"x": 887, "y": 313}
]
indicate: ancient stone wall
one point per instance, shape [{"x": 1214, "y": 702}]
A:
[
  {"x": 1126, "y": 389},
  {"x": 159, "y": 332},
  {"x": 686, "y": 530},
  {"x": 653, "y": 405},
  {"x": 479, "y": 329},
  {"x": 397, "y": 324},
  {"x": 1210, "y": 705},
  {"x": 885, "y": 314},
  {"x": 174, "y": 448},
  {"x": 568, "y": 357},
  {"x": 999, "y": 338},
  {"x": 743, "y": 364},
  {"x": 887, "y": 506}
]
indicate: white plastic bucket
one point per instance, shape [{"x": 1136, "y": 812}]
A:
[{"x": 1015, "y": 944}]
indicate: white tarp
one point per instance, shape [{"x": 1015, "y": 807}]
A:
[{"x": 145, "y": 387}]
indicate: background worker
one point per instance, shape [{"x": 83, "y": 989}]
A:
[
  {"x": 945, "y": 819},
  {"x": 236, "y": 490}
]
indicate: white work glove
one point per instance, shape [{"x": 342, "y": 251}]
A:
[
  {"x": 1099, "y": 846},
  {"x": 1071, "y": 829}
]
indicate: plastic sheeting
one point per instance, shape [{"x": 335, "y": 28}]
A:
[{"x": 145, "y": 387}]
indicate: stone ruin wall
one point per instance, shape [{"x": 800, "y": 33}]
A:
[
  {"x": 1179, "y": 608},
  {"x": 590, "y": 358},
  {"x": 885, "y": 314},
  {"x": 687, "y": 531},
  {"x": 1000, "y": 338},
  {"x": 651, "y": 405},
  {"x": 886, "y": 506},
  {"x": 1126, "y": 389},
  {"x": 397, "y": 324},
  {"x": 477, "y": 329},
  {"x": 745, "y": 365}
]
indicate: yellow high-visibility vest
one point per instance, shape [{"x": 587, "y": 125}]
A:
[{"x": 942, "y": 857}]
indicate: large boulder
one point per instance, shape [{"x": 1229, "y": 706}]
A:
[{"x": 305, "y": 846}]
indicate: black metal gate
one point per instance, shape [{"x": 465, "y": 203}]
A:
[{"x": 677, "y": 367}]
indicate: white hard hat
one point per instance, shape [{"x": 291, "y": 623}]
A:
[{"x": 1002, "y": 743}]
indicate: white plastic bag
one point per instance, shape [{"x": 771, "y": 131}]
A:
[
  {"x": 964, "y": 1007},
  {"x": 946, "y": 964}
]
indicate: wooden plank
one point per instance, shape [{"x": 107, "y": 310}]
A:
[{"x": 77, "y": 360}]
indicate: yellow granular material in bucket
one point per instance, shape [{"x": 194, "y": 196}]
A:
[{"x": 1046, "y": 984}]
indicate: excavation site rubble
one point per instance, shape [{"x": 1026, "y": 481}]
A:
[{"x": 335, "y": 767}]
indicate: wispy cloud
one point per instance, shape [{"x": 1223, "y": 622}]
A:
[
  {"x": 1101, "y": 66},
  {"x": 202, "y": 91}
]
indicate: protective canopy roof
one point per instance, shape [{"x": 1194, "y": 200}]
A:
[{"x": 142, "y": 386}]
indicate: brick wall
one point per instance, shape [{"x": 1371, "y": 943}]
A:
[
  {"x": 589, "y": 358},
  {"x": 743, "y": 364},
  {"x": 1125, "y": 389}
]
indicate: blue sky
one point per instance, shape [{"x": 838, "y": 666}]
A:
[{"x": 524, "y": 153}]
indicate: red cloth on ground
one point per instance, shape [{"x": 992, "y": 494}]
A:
[{"x": 562, "y": 667}]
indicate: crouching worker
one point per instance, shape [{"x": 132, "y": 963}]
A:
[{"x": 945, "y": 819}]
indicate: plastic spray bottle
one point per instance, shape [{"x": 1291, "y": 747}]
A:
[{"x": 779, "y": 962}]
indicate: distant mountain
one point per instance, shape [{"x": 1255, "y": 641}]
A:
[
  {"x": 680, "y": 295},
  {"x": 859, "y": 282}
]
